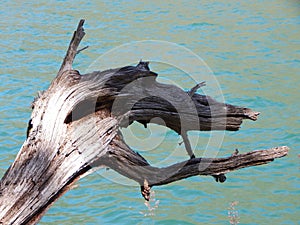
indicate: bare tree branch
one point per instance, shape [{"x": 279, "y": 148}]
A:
[
  {"x": 132, "y": 165},
  {"x": 72, "y": 50},
  {"x": 74, "y": 126}
]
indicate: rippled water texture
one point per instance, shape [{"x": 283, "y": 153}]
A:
[{"x": 253, "y": 48}]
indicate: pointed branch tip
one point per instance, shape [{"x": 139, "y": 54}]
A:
[
  {"x": 82, "y": 49},
  {"x": 195, "y": 88},
  {"x": 72, "y": 49}
]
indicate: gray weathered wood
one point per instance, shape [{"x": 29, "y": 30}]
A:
[{"x": 74, "y": 127}]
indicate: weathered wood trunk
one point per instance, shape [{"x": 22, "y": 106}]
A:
[{"x": 74, "y": 126}]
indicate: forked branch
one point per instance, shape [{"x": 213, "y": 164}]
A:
[
  {"x": 132, "y": 165},
  {"x": 73, "y": 46}
]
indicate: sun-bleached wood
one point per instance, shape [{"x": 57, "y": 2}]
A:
[{"x": 74, "y": 127}]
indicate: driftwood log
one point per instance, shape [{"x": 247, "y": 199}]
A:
[{"x": 74, "y": 128}]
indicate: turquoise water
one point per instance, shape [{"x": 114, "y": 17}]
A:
[{"x": 253, "y": 49}]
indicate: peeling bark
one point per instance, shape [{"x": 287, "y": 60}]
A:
[{"x": 75, "y": 124}]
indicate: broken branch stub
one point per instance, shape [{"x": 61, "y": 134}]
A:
[{"x": 75, "y": 124}]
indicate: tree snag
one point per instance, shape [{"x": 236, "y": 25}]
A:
[{"x": 75, "y": 124}]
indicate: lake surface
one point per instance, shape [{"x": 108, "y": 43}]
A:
[{"x": 253, "y": 49}]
